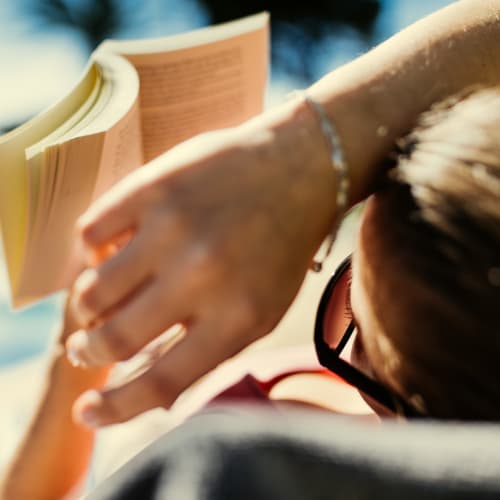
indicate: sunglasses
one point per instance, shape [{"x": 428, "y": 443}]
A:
[{"x": 334, "y": 337}]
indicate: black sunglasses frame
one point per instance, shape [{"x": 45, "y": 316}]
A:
[{"x": 330, "y": 358}]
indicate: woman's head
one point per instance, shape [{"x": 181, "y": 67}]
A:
[{"x": 426, "y": 275}]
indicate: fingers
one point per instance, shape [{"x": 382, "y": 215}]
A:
[
  {"x": 98, "y": 289},
  {"x": 128, "y": 330},
  {"x": 194, "y": 356},
  {"x": 116, "y": 212}
]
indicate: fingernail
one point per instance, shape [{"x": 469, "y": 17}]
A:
[
  {"x": 74, "y": 345},
  {"x": 82, "y": 222},
  {"x": 89, "y": 418},
  {"x": 74, "y": 360},
  {"x": 86, "y": 408},
  {"x": 85, "y": 280},
  {"x": 83, "y": 285}
]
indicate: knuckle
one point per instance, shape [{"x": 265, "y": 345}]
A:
[
  {"x": 89, "y": 300},
  {"x": 163, "y": 388},
  {"x": 88, "y": 230},
  {"x": 201, "y": 268},
  {"x": 115, "y": 340},
  {"x": 203, "y": 257},
  {"x": 210, "y": 260},
  {"x": 110, "y": 411}
]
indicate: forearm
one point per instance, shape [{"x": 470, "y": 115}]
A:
[
  {"x": 54, "y": 452},
  {"x": 373, "y": 101},
  {"x": 376, "y": 98}
]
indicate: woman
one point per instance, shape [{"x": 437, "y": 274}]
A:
[
  {"x": 423, "y": 293},
  {"x": 210, "y": 255}
]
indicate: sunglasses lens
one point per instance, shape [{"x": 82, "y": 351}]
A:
[
  {"x": 340, "y": 348},
  {"x": 337, "y": 313}
]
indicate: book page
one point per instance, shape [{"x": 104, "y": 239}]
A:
[
  {"x": 74, "y": 170},
  {"x": 122, "y": 151},
  {"x": 13, "y": 179},
  {"x": 47, "y": 255},
  {"x": 122, "y": 148},
  {"x": 34, "y": 164},
  {"x": 192, "y": 89}
]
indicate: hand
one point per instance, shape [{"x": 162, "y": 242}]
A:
[{"x": 224, "y": 229}]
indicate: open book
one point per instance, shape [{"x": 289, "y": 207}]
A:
[{"x": 135, "y": 100}]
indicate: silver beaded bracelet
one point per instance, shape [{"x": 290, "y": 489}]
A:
[{"x": 340, "y": 167}]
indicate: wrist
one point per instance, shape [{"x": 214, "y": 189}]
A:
[{"x": 292, "y": 140}]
